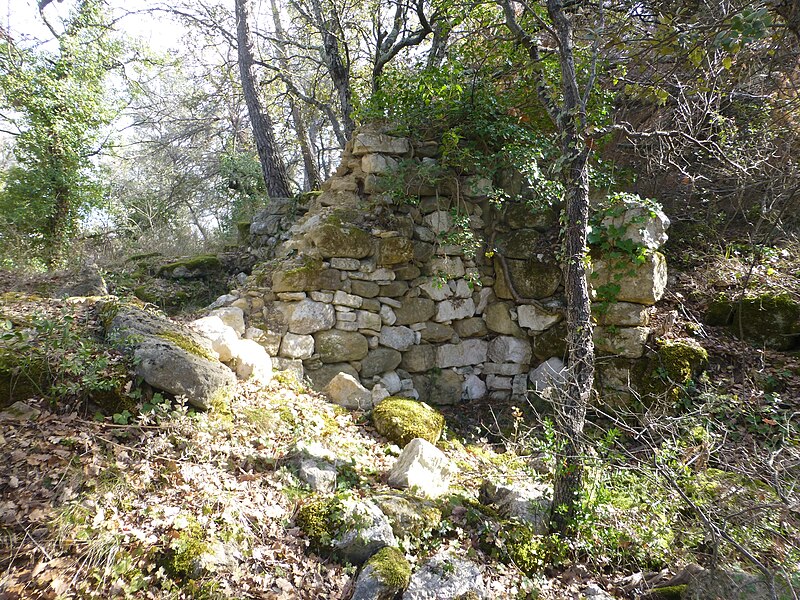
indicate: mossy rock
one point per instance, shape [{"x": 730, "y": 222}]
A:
[
  {"x": 411, "y": 516},
  {"x": 401, "y": 420},
  {"x": 531, "y": 278},
  {"x": 182, "y": 559},
  {"x": 520, "y": 244},
  {"x": 337, "y": 240},
  {"x": 317, "y": 519},
  {"x": 670, "y": 592},
  {"x": 771, "y": 320},
  {"x": 306, "y": 276},
  {"x": 395, "y": 251},
  {"x": 391, "y": 568},
  {"x": 195, "y": 267},
  {"x": 682, "y": 359}
]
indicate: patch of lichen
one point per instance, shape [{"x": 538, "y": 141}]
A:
[
  {"x": 185, "y": 343},
  {"x": 391, "y": 568},
  {"x": 203, "y": 262},
  {"x": 402, "y": 419}
]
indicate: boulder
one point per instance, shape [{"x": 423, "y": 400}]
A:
[
  {"x": 322, "y": 376},
  {"x": 332, "y": 239},
  {"x": 395, "y": 251},
  {"x": 625, "y": 281},
  {"x": 446, "y": 577},
  {"x": 401, "y": 419},
  {"x": 498, "y": 319},
  {"x": 525, "y": 501},
  {"x": 414, "y": 310},
  {"x": 531, "y": 278},
  {"x": 644, "y": 224},
  {"x": 438, "y": 387},
  {"x": 627, "y": 342},
  {"x": 418, "y": 359},
  {"x": 399, "y": 338},
  {"x": 509, "y": 349},
  {"x": 251, "y": 361},
  {"x": 466, "y": 353},
  {"x": 309, "y": 317},
  {"x": 771, "y": 320},
  {"x": 423, "y": 468},
  {"x": 384, "y": 576},
  {"x": 534, "y": 318},
  {"x": 338, "y": 346},
  {"x": 222, "y": 336},
  {"x": 345, "y": 390},
  {"x": 296, "y": 346},
  {"x": 231, "y": 316}
]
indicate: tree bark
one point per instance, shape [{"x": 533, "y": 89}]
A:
[
  {"x": 274, "y": 170},
  {"x": 571, "y": 415}
]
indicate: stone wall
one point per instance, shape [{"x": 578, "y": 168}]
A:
[{"x": 372, "y": 281}]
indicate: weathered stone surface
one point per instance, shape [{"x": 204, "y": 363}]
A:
[
  {"x": 446, "y": 577},
  {"x": 410, "y": 516},
  {"x": 504, "y": 369},
  {"x": 441, "y": 388},
  {"x": 232, "y": 317},
  {"x": 380, "y": 360},
  {"x": 551, "y": 373},
  {"x": 377, "y": 163},
  {"x": 300, "y": 278},
  {"x": 345, "y": 390},
  {"x": 465, "y": 353},
  {"x": 436, "y": 290},
  {"x": 309, "y": 317},
  {"x": 498, "y": 319},
  {"x": 368, "y": 142},
  {"x": 296, "y": 346},
  {"x": 322, "y": 377},
  {"x": 345, "y": 264},
  {"x": 450, "y": 267},
  {"x": 341, "y": 298},
  {"x": 365, "y": 289},
  {"x": 387, "y": 315},
  {"x": 454, "y": 309},
  {"x": 337, "y": 346},
  {"x": 509, "y": 349},
  {"x": 520, "y": 215},
  {"x": 525, "y": 501},
  {"x": 497, "y": 382},
  {"x": 423, "y": 468},
  {"x": 407, "y": 272},
  {"x": 414, "y": 310},
  {"x": 167, "y": 367},
  {"x": 342, "y": 241},
  {"x": 368, "y": 320},
  {"x": 438, "y": 222},
  {"x": 400, "y": 338},
  {"x": 520, "y": 244},
  {"x": 552, "y": 342},
  {"x": 622, "y": 314},
  {"x": 19, "y": 411},
  {"x": 474, "y": 388},
  {"x": 473, "y": 327},
  {"x": 531, "y": 278},
  {"x": 222, "y": 336},
  {"x": 642, "y": 224},
  {"x": 535, "y": 319},
  {"x": 418, "y": 358},
  {"x": 641, "y": 284},
  {"x": 400, "y": 420},
  {"x": 395, "y": 251},
  {"x": 384, "y": 576},
  {"x": 363, "y": 530},
  {"x": 437, "y": 332},
  {"x": 251, "y": 361},
  {"x": 627, "y": 342}
]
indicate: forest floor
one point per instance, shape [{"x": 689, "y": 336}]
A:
[{"x": 177, "y": 504}]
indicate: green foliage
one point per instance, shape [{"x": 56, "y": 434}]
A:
[
  {"x": 391, "y": 567},
  {"x": 59, "y": 101}
]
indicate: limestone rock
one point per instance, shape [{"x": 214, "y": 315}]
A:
[
  {"x": 251, "y": 361},
  {"x": 380, "y": 360},
  {"x": 423, "y": 468},
  {"x": 401, "y": 419},
  {"x": 377, "y": 163},
  {"x": 345, "y": 390},
  {"x": 322, "y": 376},
  {"x": 342, "y": 241},
  {"x": 474, "y": 388},
  {"x": 498, "y": 319},
  {"x": 450, "y": 267},
  {"x": 526, "y": 502},
  {"x": 222, "y": 336},
  {"x": 384, "y": 576},
  {"x": 399, "y": 338},
  {"x": 436, "y": 290},
  {"x": 395, "y": 251},
  {"x": 338, "y": 346},
  {"x": 621, "y": 314},
  {"x": 309, "y": 317},
  {"x": 454, "y": 309},
  {"x": 642, "y": 224},
  {"x": 410, "y": 516},
  {"x": 437, "y": 332},
  {"x": 508, "y": 349},
  {"x": 551, "y": 373},
  {"x": 531, "y": 278},
  {"x": 534, "y": 318},
  {"x": 414, "y": 310},
  {"x": 232, "y": 317},
  {"x": 297, "y": 346},
  {"x": 368, "y": 142},
  {"x": 446, "y": 577},
  {"x": 439, "y": 387},
  {"x": 305, "y": 277},
  {"x": 519, "y": 244},
  {"x": 642, "y": 284},
  {"x": 627, "y": 342},
  {"x": 418, "y": 358},
  {"x": 465, "y": 353}
]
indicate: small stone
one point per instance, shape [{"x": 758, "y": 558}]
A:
[
  {"x": 474, "y": 388},
  {"x": 296, "y": 346},
  {"x": 252, "y": 361},
  {"x": 535, "y": 319},
  {"x": 423, "y": 468},
  {"x": 509, "y": 349},
  {"x": 232, "y": 317},
  {"x": 400, "y": 338},
  {"x": 310, "y": 316},
  {"x": 467, "y": 352},
  {"x": 325, "y": 297},
  {"x": 387, "y": 315},
  {"x": 393, "y": 302},
  {"x": 451, "y": 310},
  {"x": 345, "y": 390},
  {"x": 291, "y": 296},
  {"x": 345, "y": 264},
  {"x": 418, "y": 359},
  {"x": 344, "y": 299}
]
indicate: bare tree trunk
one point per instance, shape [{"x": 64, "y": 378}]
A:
[
  {"x": 312, "y": 180},
  {"x": 275, "y": 177},
  {"x": 571, "y": 415}
]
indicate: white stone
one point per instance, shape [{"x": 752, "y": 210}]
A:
[
  {"x": 254, "y": 333},
  {"x": 222, "y": 336},
  {"x": 467, "y": 352},
  {"x": 387, "y": 315},
  {"x": 346, "y": 264},
  {"x": 535, "y": 319},
  {"x": 297, "y": 346},
  {"x": 291, "y": 296},
  {"x": 232, "y": 317},
  {"x": 379, "y": 394},
  {"x": 496, "y": 382},
  {"x": 367, "y": 142},
  {"x": 377, "y": 163},
  {"x": 435, "y": 290},
  {"x": 439, "y": 221},
  {"x": 223, "y": 300},
  {"x": 474, "y": 388},
  {"x": 252, "y": 361},
  {"x": 344, "y": 299},
  {"x": 393, "y": 302},
  {"x": 310, "y": 316},
  {"x": 463, "y": 289},
  {"x": 551, "y": 373},
  {"x": 423, "y": 468},
  {"x": 349, "y": 317},
  {"x": 640, "y": 284},
  {"x": 643, "y": 225},
  {"x": 485, "y": 295},
  {"x": 345, "y": 390},
  {"x": 453, "y": 310},
  {"x": 508, "y": 349},
  {"x": 326, "y": 297},
  {"x": 627, "y": 342},
  {"x": 400, "y": 338}
]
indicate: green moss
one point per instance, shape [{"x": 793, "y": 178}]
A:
[
  {"x": 318, "y": 520},
  {"x": 470, "y": 595},
  {"x": 524, "y": 549},
  {"x": 671, "y": 592},
  {"x": 185, "y": 551},
  {"x": 391, "y": 567},
  {"x": 682, "y": 359},
  {"x": 203, "y": 262},
  {"x": 184, "y": 343},
  {"x": 772, "y": 320},
  {"x": 402, "y": 419}
]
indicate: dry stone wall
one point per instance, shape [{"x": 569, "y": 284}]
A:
[{"x": 371, "y": 281}]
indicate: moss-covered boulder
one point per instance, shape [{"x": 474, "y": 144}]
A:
[
  {"x": 400, "y": 420},
  {"x": 395, "y": 251},
  {"x": 335, "y": 346},
  {"x": 342, "y": 241},
  {"x": 530, "y": 278},
  {"x": 195, "y": 267},
  {"x": 305, "y": 276},
  {"x": 520, "y": 244},
  {"x": 409, "y": 516},
  {"x": 681, "y": 360},
  {"x": 771, "y": 320},
  {"x": 384, "y": 576},
  {"x": 622, "y": 279}
]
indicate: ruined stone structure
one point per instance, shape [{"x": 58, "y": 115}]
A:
[{"x": 419, "y": 285}]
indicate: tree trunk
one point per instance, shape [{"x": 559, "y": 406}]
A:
[
  {"x": 272, "y": 165},
  {"x": 312, "y": 180},
  {"x": 571, "y": 415}
]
